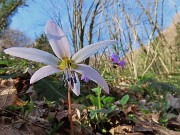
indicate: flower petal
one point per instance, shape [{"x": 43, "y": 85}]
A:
[
  {"x": 57, "y": 40},
  {"x": 84, "y": 78},
  {"x": 93, "y": 75},
  {"x": 43, "y": 72},
  {"x": 114, "y": 58},
  {"x": 76, "y": 88},
  {"x": 89, "y": 50},
  {"x": 34, "y": 55}
]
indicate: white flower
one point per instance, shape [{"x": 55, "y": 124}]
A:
[{"x": 64, "y": 63}]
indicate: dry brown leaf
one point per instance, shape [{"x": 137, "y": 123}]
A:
[
  {"x": 77, "y": 106},
  {"x": 38, "y": 120},
  {"x": 78, "y": 113},
  {"x": 7, "y": 83},
  {"x": 137, "y": 133},
  {"x": 51, "y": 114},
  {"x": 145, "y": 85},
  {"x": 8, "y": 94},
  {"x": 38, "y": 111},
  {"x": 120, "y": 130},
  {"x": 20, "y": 128},
  {"x": 155, "y": 117},
  {"x": 164, "y": 131},
  {"x": 142, "y": 102},
  {"x": 18, "y": 102},
  {"x": 61, "y": 114},
  {"x": 11, "y": 131},
  {"x": 36, "y": 129},
  {"x": 14, "y": 129},
  {"x": 7, "y": 97},
  {"x": 178, "y": 118},
  {"x": 78, "y": 129},
  {"x": 132, "y": 108},
  {"x": 174, "y": 102},
  {"x": 173, "y": 124},
  {"x": 143, "y": 129}
]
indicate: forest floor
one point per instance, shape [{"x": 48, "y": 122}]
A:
[{"x": 134, "y": 107}]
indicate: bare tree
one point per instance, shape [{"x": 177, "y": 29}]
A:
[
  {"x": 82, "y": 17},
  {"x": 140, "y": 34},
  {"x": 12, "y": 38}
]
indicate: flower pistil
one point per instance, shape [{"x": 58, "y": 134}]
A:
[{"x": 67, "y": 65}]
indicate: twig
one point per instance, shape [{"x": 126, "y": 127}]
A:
[
  {"x": 23, "y": 118},
  {"x": 150, "y": 65},
  {"x": 15, "y": 114}
]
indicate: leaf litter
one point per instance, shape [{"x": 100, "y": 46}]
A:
[{"x": 22, "y": 112}]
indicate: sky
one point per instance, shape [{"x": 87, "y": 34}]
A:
[{"x": 31, "y": 19}]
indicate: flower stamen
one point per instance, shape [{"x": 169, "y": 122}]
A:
[{"x": 66, "y": 63}]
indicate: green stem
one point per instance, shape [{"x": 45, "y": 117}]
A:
[
  {"x": 103, "y": 71},
  {"x": 99, "y": 100},
  {"x": 99, "y": 96}
]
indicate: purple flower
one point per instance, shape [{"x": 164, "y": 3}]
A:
[
  {"x": 122, "y": 63},
  {"x": 114, "y": 58},
  {"x": 84, "y": 78}
]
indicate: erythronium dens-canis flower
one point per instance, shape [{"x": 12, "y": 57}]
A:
[
  {"x": 84, "y": 78},
  {"x": 64, "y": 62},
  {"x": 122, "y": 63},
  {"x": 114, "y": 58}
]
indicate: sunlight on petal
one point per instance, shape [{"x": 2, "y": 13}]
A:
[
  {"x": 43, "y": 72},
  {"x": 34, "y": 55},
  {"x": 89, "y": 50},
  {"x": 93, "y": 75},
  {"x": 76, "y": 88},
  {"x": 57, "y": 40}
]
